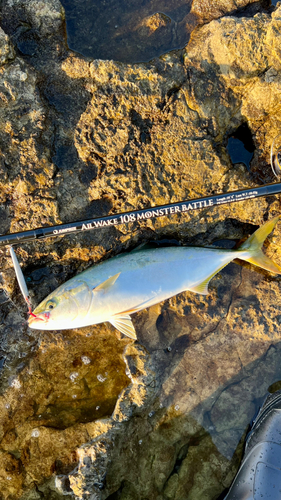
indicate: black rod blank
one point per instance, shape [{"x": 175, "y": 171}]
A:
[{"x": 138, "y": 215}]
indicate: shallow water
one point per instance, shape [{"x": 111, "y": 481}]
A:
[
  {"x": 127, "y": 31},
  {"x": 240, "y": 146}
]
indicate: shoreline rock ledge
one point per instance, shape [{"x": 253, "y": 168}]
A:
[{"x": 87, "y": 413}]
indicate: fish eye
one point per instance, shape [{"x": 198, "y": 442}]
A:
[{"x": 51, "y": 304}]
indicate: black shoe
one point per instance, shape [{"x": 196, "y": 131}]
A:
[{"x": 259, "y": 476}]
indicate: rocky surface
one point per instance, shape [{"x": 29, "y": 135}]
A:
[
  {"x": 206, "y": 11},
  {"x": 88, "y": 413}
]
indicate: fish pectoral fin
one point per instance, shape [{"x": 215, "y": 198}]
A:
[
  {"x": 124, "y": 324},
  {"x": 107, "y": 283}
]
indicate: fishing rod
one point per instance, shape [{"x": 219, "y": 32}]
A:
[{"x": 140, "y": 215}]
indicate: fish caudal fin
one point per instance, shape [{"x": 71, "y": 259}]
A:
[{"x": 254, "y": 244}]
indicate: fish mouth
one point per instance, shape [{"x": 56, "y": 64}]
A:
[{"x": 38, "y": 320}]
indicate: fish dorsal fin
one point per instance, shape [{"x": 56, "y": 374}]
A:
[
  {"x": 107, "y": 283},
  {"x": 124, "y": 324}
]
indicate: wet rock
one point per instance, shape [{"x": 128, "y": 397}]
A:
[
  {"x": 87, "y": 412},
  {"x": 94, "y": 461},
  {"x": 6, "y": 48},
  {"x": 156, "y": 21},
  {"x": 95, "y": 457},
  {"x": 207, "y": 11},
  {"x": 44, "y": 17},
  {"x": 56, "y": 400},
  {"x": 202, "y": 461}
]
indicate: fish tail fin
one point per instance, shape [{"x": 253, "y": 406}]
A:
[{"x": 253, "y": 246}]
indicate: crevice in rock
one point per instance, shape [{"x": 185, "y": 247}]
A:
[
  {"x": 240, "y": 145},
  {"x": 183, "y": 452},
  {"x": 40, "y": 493},
  {"x": 182, "y": 455},
  {"x": 143, "y": 124},
  {"x": 170, "y": 96},
  {"x": 125, "y": 488},
  {"x": 252, "y": 9},
  {"x": 249, "y": 10}
]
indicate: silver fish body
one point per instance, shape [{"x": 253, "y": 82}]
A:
[{"x": 123, "y": 285}]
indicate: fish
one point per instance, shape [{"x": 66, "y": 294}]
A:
[{"x": 113, "y": 290}]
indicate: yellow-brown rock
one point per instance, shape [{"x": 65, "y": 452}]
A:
[
  {"x": 206, "y": 10},
  {"x": 88, "y": 413}
]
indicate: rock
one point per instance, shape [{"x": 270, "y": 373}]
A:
[
  {"x": 200, "y": 473},
  {"x": 156, "y": 21},
  {"x": 207, "y": 11},
  {"x": 88, "y": 413},
  {"x": 239, "y": 62},
  {"x": 6, "y": 48},
  {"x": 53, "y": 400},
  {"x": 44, "y": 17}
]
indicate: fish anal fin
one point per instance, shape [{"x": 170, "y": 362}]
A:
[
  {"x": 202, "y": 287},
  {"x": 124, "y": 324},
  {"x": 107, "y": 283}
]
